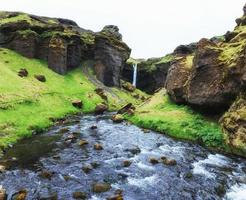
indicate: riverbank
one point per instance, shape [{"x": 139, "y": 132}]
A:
[
  {"x": 160, "y": 114},
  {"x": 28, "y": 105}
]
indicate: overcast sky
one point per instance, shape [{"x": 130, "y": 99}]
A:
[{"x": 151, "y": 28}]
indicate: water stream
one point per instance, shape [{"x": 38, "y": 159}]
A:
[
  {"x": 135, "y": 70},
  {"x": 199, "y": 174}
]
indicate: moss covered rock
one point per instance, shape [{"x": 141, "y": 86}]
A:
[{"x": 234, "y": 125}]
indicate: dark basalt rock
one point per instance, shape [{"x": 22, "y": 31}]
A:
[
  {"x": 208, "y": 87},
  {"x": 111, "y": 54},
  {"x": 57, "y": 56},
  {"x": 25, "y": 43},
  {"x": 185, "y": 49},
  {"x": 177, "y": 78}
]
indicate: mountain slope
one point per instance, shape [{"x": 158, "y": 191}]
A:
[{"x": 28, "y": 105}]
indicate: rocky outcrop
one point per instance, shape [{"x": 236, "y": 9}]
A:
[
  {"x": 214, "y": 80},
  {"x": 177, "y": 79},
  {"x": 185, "y": 49},
  {"x": 111, "y": 54},
  {"x": 63, "y": 44},
  {"x": 212, "y": 84},
  {"x": 214, "y": 77},
  {"x": 234, "y": 124}
]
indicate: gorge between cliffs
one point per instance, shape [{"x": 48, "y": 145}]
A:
[{"x": 81, "y": 119}]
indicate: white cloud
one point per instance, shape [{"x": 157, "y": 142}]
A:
[{"x": 150, "y": 28}]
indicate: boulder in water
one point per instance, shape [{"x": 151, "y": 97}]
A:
[
  {"x": 21, "y": 195},
  {"x": 46, "y": 174},
  {"x": 101, "y": 108},
  {"x": 80, "y": 195},
  {"x": 98, "y": 147},
  {"x": 2, "y": 169},
  {"x": 83, "y": 142},
  {"x": 3, "y": 194},
  {"x": 118, "y": 118},
  {"x": 93, "y": 127},
  {"x": 47, "y": 194},
  {"x": 127, "y": 163},
  {"x": 154, "y": 161},
  {"x": 101, "y": 187},
  {"x": 87, "y": 168},
  {"x": 167, "y": 161}
]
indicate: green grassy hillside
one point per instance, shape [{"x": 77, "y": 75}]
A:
[
  {"x": 28, "y": 105},
  {"x": 178, "y": 121}
]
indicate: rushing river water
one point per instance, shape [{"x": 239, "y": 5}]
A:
[{"x": 199, "y": 174}]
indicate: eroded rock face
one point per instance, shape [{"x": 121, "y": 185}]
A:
[
  {"x": 234, "y": 124},
  {"x": 25, "y": 43},
  {"x": 111, "y": 54},
  {"x": 64, "y": 45},
  {"x": 207, "y": 79},
  {"x": 176, "y": 82},
  {"x": 185, "y": 49},
  {"x": 210, "y": 84},
  {"x": 57, "y": 56}
]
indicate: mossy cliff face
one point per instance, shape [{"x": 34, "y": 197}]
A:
[
  {"x": 63, "y": 44},
  {"x": 234, "y": 124},
  {"x": 212, "y": 78},
  {"x": 109, "y": 45}
]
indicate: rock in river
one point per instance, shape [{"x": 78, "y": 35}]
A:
[{"x": 101, "y": 187}]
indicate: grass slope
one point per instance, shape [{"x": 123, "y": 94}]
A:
[
  {"x": 27, "y": 105},
  {"x": 178, "y": 121}
]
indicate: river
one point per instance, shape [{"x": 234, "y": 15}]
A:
[{"x": 49, "y": 166}]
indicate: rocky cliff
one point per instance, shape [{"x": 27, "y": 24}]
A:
[
  {"x": 152, "y": 73},
  {"x": 63, "y": 44},
  {"x": 212, "y": 79}
]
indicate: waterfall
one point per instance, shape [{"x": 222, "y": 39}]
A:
[{"x": 135, "y": 69}]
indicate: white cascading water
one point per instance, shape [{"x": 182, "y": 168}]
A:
[{"x": 135, "y": 69}]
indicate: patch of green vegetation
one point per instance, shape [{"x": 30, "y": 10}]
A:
[
  {"x": 27, "y": 105},
  {"x": 136, "y": 97},
  {"x": 231, "y": 51},
  {"x": 166, "y": 59},
  {"x": 151, "y": 64},
  {"x": 88, "y": 38},
  {"x": 20, "y": 17},
  {"x": 26, "y": 33},
  {"x": 178, "y": 121},
  {"x": 67, "y": 33},
  {"x": 132, "y": 61},
  {"x": 188, "y": 62}
]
